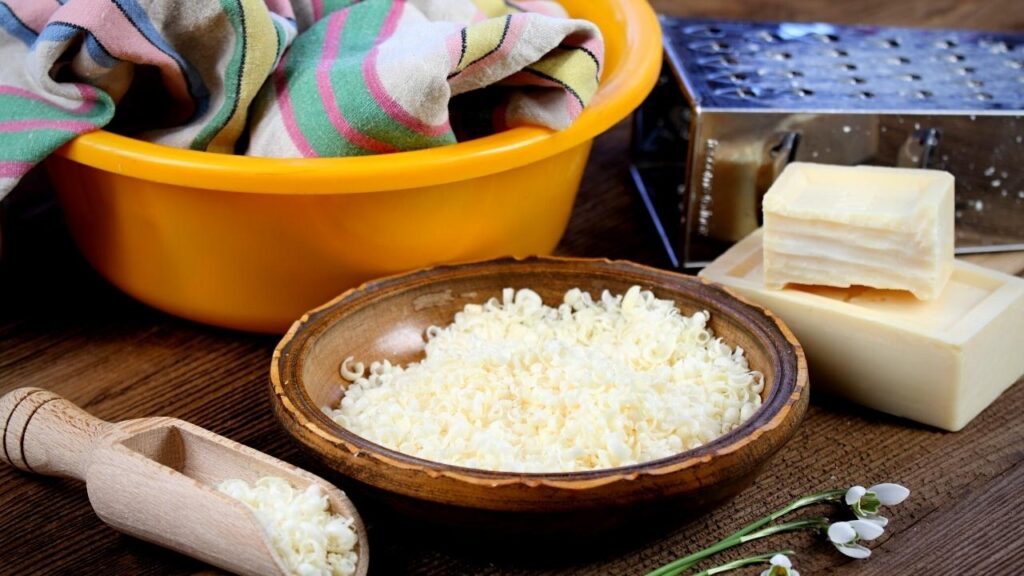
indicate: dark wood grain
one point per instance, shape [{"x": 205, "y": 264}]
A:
[{"x": 64, "y": 329}]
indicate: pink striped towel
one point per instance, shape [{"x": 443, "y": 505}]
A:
[{"x": 286, "y": 77}]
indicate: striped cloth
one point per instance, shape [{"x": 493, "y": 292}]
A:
[
  {"x": 290, "y": 78},
  {"x": 382, "y": 74}
]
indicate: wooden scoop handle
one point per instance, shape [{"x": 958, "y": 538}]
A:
[{"x": 45, "y": 434}]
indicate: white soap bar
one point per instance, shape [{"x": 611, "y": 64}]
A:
[
  {"x": 860, "y": 226},
  {"x": 939, "y": 362}
]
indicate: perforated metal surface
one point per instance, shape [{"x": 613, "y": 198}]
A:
[
  {"x": 807, "y": 67},
  {"x": 737, "y": 101}
]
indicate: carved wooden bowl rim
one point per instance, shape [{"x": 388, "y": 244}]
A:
[{"x": 786, "y": 392}]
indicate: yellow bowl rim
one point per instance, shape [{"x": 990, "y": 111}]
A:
[{"x": 619, "y": 94}]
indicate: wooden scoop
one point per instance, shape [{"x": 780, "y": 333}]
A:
[{"x": 155, "y": 478}]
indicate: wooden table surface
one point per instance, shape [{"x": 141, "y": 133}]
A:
[{"x": 63, "y": 328}]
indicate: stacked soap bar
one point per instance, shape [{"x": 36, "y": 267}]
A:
[
  {"x": 939, "y": 362},
  {"x": 846, "y": 226}
]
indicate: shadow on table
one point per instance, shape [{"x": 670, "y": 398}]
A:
[{"x": 516, "y": 541}]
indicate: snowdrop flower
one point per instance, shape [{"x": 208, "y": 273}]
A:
[
  {"x": 780, "y": 566},
  {"x": 865, "y": 501},
  {"x": 847, "y": 535}
]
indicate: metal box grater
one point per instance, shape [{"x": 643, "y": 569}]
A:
[{"x": 737, "y": 101}]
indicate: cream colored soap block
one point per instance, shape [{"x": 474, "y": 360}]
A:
[
  {"x": 939, "y": 362},
  {"x": 860, "y": 226}
]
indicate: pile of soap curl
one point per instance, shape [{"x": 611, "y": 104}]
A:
[
  {"x": 309, "y": 539},
  {"x": 515, "y": 385}
]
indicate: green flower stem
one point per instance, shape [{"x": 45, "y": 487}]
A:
[
  {"x": 678, "y": 566},
  {"x": 759, "y": 559},
  {"x": 827, "y": 496},
  {"x": 818, "y": 522}
]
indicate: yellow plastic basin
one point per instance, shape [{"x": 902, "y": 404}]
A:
[{"x": 252, "y": 243}]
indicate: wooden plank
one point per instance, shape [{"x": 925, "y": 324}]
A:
[{"x": 987, "y": 516}]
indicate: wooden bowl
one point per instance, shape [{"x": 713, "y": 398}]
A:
[{"x": 386, "y": 319}]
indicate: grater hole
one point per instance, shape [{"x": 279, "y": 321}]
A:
[
  {"x": 712, "y": 47},
  {"x": 879, "y": 68},
  {"x": 703, "y": 31},
  {"x": 999, "y": 48}
]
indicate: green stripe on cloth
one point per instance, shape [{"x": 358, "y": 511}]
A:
[
  {"x": 311, "y": 117},
  {"x": 32, "y": 145},
  {"x": 364, "y": 25},
  {"x": 21, "y": 108},
  {"x": 335, "y": 5}
]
